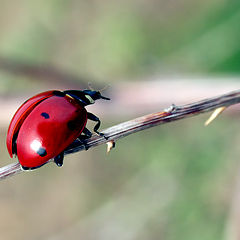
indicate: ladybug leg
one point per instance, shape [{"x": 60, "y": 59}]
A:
[
  {"x": 87, "y": 133},
  {"x": 59, "y": 159},
  {"x": 94, "y": 118},
  {"x": 82, "y": 138}
]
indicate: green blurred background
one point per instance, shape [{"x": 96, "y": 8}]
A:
[{"x": 177, "y": 181}]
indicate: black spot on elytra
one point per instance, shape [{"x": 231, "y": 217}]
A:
[
  {"x": 58, "y": 93},
  {"x": 42, "y": 152},
  {"x": 45, "y": 115},
  {"x": 71, "y": 125}
]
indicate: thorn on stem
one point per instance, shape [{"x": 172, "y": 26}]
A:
[
  {"x": 214, "y": 115},
  {"x": 110, "y": 145},
  {"x": 171, "y": 109}
]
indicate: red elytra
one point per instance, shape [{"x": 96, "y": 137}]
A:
[
  {"x": 20, "y": 116},
  {"x": 46, "y": 124}
]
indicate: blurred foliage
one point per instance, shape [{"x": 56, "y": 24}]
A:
[
  {"x": 174, "y": 189},
  {"x": 108, "y": 39}
]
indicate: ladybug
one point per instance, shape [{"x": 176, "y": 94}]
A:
[{"x": 48, "y": 123}]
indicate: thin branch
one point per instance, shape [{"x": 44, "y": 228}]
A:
[
  {"x": 10, "y": 170},
  {"x": 126, "y": 128}
]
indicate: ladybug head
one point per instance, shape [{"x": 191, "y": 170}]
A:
[
  {"x": 86, "y": 96},
  {"x": 94, "y": 95}
]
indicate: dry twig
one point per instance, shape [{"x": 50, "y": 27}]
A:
[{"x": 123, "y": 129}]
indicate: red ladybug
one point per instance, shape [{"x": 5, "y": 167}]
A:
[{"x": 46, "y": 124}]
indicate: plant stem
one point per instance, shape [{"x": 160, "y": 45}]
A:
[{"x": 124, "y": 129}]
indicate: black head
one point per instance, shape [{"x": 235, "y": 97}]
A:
[{"x": 86, "y": 97}]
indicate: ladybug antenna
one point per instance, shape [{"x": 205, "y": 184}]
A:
[
  {"x": 90, "y": 86},
  {"x": 104, "y": 88}
]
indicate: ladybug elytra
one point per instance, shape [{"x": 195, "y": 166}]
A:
[{"x": 46, "y": 124}]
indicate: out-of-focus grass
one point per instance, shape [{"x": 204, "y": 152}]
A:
[
  {"x": 198, "y": 160},
  {"x": 113, "y": 40}
]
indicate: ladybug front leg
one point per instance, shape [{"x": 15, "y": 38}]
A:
[{"x": 94, "y": 118}]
